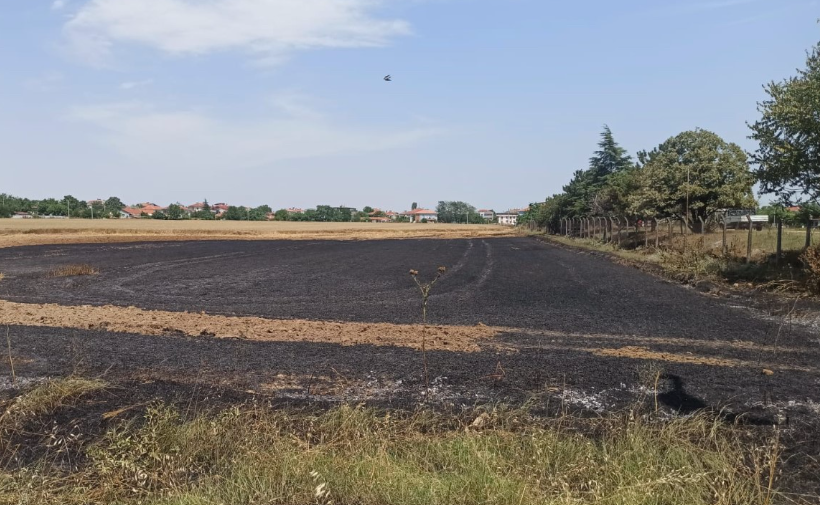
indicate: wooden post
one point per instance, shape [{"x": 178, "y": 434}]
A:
[
  {"x": 657, "y": 234},
  {"x": 779, "y": 241},
  {"x": 702, "y": 225},
  {"x": 645, "y": 235},
  {"x": 749, "y": 240},
  {"x": 808, "y": 231},
  {"x": 725, "y": 248}
]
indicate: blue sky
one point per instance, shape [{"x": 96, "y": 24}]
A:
[{"x": 494, "y": 102}]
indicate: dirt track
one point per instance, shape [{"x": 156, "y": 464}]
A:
[{"x": 513, "y": 318}]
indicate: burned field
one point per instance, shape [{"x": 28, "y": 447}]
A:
[
  {"x": 316, "y": 324},
  {"x": 512, "y": 319}
]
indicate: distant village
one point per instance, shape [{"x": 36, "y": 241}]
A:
[{"x": 446, "y": 212}]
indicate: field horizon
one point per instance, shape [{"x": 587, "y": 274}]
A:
[{"x": 23, "y": 232}]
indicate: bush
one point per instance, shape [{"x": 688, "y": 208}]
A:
[{"x": 811, "y": 265}]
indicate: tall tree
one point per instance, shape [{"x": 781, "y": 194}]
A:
[
  {"x": 609, "y": 159},
  {"x": 456, "y": 212},
  {"x": 697, "y": 170},
  {"x": 114, "y": 205},
  {"x": 414, "y": 206},
  {"x": 788, "y": 133}
]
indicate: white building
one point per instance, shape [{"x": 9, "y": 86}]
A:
[
  {"x": 416, "y": 216},
  {"x": 508, "y": 218},
  {"x": 487, "y": 214}
]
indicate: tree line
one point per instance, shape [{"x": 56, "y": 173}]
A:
[
  {"x": 692, "y": 175},
  {"x": 68, "y": 206}
]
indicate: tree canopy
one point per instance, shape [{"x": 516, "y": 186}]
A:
[
  {"x": 788, "y": 133},
  {"x": 695, "y": 166}
]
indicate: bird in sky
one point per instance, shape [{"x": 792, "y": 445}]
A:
[{"x": 388, "y": 78}]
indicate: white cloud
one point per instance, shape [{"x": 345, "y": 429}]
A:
[
  {"x": 58, "y": 4},
  {"x": 183, "y": 141},
  {"x": 267, "y": 28},
  {"x": 129, "y": 85}
]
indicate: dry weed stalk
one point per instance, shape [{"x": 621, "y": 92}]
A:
[
  {"x": 425, "y": 289},
  {"x": 11, "y": 360}
]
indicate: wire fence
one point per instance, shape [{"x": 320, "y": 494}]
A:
[{"x": 753, "y": 241}]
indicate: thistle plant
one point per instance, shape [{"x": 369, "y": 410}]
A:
[{"x": 425, "y": 289}]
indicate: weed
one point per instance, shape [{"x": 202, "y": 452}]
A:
[
  {"x": 811, "y": 261},
  {"x": 73, "y": 270},
  {"x": 425, "y": 289}
]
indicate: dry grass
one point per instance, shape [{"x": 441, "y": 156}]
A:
[
  {"x": 73, "y": 270},
  {"x": 18, "y": 232},
  {"x": 352, "y": 455},
  {"x": 47, "y": 398}
]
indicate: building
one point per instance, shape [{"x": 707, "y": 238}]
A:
[
  {"x": 295, "y": 210},
  {"x": 130, "y": 212},
  {"x": 22, "y": 215},
  {"x": 509, "y": 218},
  {"x": 219, "y": 208},
  {"x": 416, "y": 216},
  {"x": 487, "y": 214},
  {"x": 148, "y": 208}
]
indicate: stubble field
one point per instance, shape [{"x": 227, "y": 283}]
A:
[{"x": 21, "y": 232}]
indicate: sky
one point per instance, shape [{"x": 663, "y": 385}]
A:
[{"x": 283, "y": 102}]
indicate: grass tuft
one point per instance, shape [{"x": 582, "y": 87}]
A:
[
  {"x": 73, "y": 270},
  {"x": 46, "y": 398}
]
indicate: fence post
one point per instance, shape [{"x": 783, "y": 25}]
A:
[
  {"x": 702, "y": 225},
  {"x": 725, "y": 249},
  {"x": 645, "y": 235},
  {"x": 657, "y": 234},
  {"x": 779, "y": 240},
  {"x": 749, "y": 240},
  {"x": 808, "y": 231},
  {"x": 604, "y": 229}
]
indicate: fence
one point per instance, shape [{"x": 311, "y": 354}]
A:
[{"x": 771, "y": 240}]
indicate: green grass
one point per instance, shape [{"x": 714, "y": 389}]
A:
[{"x": 354, "y": 455}]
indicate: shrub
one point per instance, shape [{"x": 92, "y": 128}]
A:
[{"x": 811, "y": 265}]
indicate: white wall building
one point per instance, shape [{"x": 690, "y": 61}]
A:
[{"x": 508, "y": 218}]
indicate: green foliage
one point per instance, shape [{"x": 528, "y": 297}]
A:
[
  {"x": 414, "y": 206},
  {"x": 788, "y": 133},
  {"x": 114, "y": 204},
  {"x": 175, "y": 212},
  {"x": 367, "y": 209},
  {"x": 457, "y": 212},
  {"x": 281, "y": 215},
  {"x": 697, "y": 166}
]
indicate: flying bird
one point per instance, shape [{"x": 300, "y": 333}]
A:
[{"x": 388, "y": 78}]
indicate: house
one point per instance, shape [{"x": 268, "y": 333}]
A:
[
  {"x": 509, "y": 218},
  {"x": 416, "y": 216},
  {"x": 130, "y": 212},
  {"x": 219, "y": 208},
  {"x": 379, "y": 219},
  {"x": 294, "y": 210},
  {"x": 22, "y": 215},
  {"x": 391, "y": 215},
  {"x": 148, "y": 208},
  {"x": 487, "y": 214}
]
